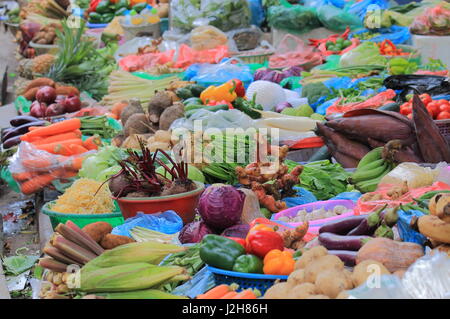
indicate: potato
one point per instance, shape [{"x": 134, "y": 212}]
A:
[
  {"x": 363, "y": 270},
  {"x": 296, "y": 278},
  {"x": 319, "y": 265},
  {"x": 318, "y": 297},
  {"x": 97, "y": 230},
  {"x": 332, "y": 282},
  {"x": 309, "y": 255},
  {"x": 163, "y": 136},
  {"x": 343, "y": 295},
  {"x": 302, "y": 291},
  {"x": 277, "y": 291}
]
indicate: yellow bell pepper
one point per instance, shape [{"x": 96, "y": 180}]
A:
[
  {"x": 225, "y": 92},
  {"x": 278, "y": 262}
]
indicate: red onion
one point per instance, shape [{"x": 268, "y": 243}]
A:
[
  {"x": 55, "y": 110},
  {"x": 72, "y": 103},
  {"x": 46, "y": 94},
  {"x": 281, "y": 106},
  {"x": 60, "y": 98},
  {"x": 38, "y": 109}
]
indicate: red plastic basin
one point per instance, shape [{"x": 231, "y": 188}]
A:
[{"x": 183, "y": 204}]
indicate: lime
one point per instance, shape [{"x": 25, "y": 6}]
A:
[{"x": 347, "y": 43}]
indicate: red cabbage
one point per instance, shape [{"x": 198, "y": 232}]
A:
[
  {"x": 239, "y": 231},
  {"x": 221, "y": 206},
  {"x": 194, "y": 232}
]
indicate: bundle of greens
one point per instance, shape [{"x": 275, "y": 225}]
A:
[{"x": 322, "y": 178}]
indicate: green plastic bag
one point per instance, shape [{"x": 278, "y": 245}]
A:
[
  {"x": 331, "y": 64},
  {"x": 298, "y": 19},
  {"x": 337, "y": 19},
  {"x": 5, "y": 175}
]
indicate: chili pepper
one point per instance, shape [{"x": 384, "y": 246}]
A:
[
  {"x": 238, "y": 87},
  {"x": 248, "y": 264},
  {"x": 239, "y": 241},
  {"x": 220, "y": 252},
  {"x": 93, "y": 5},
  {"x": 278, "y": 262},
  {"x": 223, "y": 92},
  {"x": 260, "y": 242}
]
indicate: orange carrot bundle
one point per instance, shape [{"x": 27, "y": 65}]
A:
[
  {"x": 23, "y": 176},
  {"x": 77, "y": 149},
  {"x": 36, "y": 183},
  {"x": 57, "y": 138},
  {"x": 38, "y": 163},
  {"x": 53, "y": 129},
  {"x": 218, "y": 292},
  {"x": 60, "y": 148},
  {"x": 92, "y": 143}
]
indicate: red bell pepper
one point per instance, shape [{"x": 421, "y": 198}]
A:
[
  {"x": 238, "y": 87},
  {"x": 213, "y": 102},
  {"x": 260, "y": 242},
  {"x": 93, "y": 5},
  {"x": 239, "y": 241}
]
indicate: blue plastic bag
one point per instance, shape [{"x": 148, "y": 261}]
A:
[
  {"x": 405, "y": 231},
  {"x": 322, "y": 108},
  {"x": 396, "y": 34},
  {"x": 303, "y": 197},
  {"x": 217, "y": 74},
  {"x": 199, "y": 284},
  {"x": 257, "y": 11},
  {"x": 354, "y": 196},
  {"x": 360, "y": 8},
  {"x": 168, "y": 223}
]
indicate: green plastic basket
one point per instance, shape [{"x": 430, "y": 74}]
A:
[{"x": 115, "y": 218}]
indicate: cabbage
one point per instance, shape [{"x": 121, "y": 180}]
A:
[
  {"x": 194, "y": 232},
  {"x": 221, "y": 206},
  {"x": 366, "y": 53},
  {"x": 239, "y": 231},
  {"x": 193, "y": 173},
  {"x": 99, "y": 166}
]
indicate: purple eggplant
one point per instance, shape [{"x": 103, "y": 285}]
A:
[
  {"x": 347, "y": 256},
  {"x": 341, "y": 226},
  {"x": 13, "y": 141},
  {"x": 22, "y": 119},
  {"x": 337, "y": 242},
  {"x": 363, "y": 229},
  {"x": 6, "y": 131},
  {"x": 23, "y": 129}
]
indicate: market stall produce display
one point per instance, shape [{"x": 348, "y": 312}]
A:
[{"x": 203, "y": 161}]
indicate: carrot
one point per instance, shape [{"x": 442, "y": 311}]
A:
[
  {"x": 24, "y": 176},
  {"x": 37, "y": 183},
  {"x": 229, "y": 295},
  {"x": 37, "y": 163},
  {"x": 215, "y": 293},
  {"x": 92, "y": 143},
  {"x": 60, "y": 148},
  {"x": 63, "y": 173},
  {"x": 77, "y": 149},
  {"x": 57, "y": 138},
  {"x": 118, "y": 108},
  {"x": 245, "y": 294},
  {"x": 54, "y": 129}
]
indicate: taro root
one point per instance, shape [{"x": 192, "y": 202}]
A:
[
  {"x": 157, "y": 105},
  {"x": 133, "y": 108}
]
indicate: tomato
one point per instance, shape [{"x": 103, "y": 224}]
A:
[
  {"x": 433, "y": 109},
  {"x": 442, "y": 101},
  {"x": 409, "y": 116},
  {"x": 405, "y": 109},
  {"x": 426, "y": 98},
  {"x": 443, "y": 115},
  {"x": 444, "y": 107}
]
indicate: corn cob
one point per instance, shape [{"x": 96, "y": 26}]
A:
[
  {"x": 127, "y": 277},
  {"x": 145, "y": 252},
  {"x": 140, "y": 294}
]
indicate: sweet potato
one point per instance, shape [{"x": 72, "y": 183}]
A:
[
  {"x": 40, "y": 82},
  {"x": 110, "y": 241},
  {"x": 30, "y": 94},
  {"x": 66, "y": 90},
  {"x": 97, "y": 230}
]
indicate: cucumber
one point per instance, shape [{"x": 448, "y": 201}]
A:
[
  {"x": 321, "y": 154},
  {"x": 184, "y": 93},
  {"x": 193, "y": 101},
  {"x": 194, "y": 107},
  {"x": 196, "y": 89},
  {"x": 394, "y": 107}
]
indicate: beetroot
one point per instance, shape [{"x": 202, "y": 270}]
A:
[{"x": 46, "y": 94}]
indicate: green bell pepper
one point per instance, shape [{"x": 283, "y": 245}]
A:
[
  {"x": 94, "y": 17},
  {"x": 103, "y": 7},
  {"x": 248, "y": 264},
  {"x": 107, "y": 17},
  {"x": 121, "y": 4},
  {"x": 220, "y": 252}
]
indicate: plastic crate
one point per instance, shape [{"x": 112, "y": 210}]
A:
[
  {"x": 115, "y": 218},
  {"x": 245, "y": 281},
  {"x": 444, "y": 128}
]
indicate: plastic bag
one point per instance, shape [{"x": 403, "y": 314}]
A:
[
  {"x": 396, "y": 34},
  {"x": 337, "y": 19},
  {"x": 244, "y": 39},
  {"x": 297, "y": 18},
  {"x": 207, "y": 37},
  {"x": 35, "y": 169},
  {"x": 131, "y": 47},
  {"x": 292, "y": 51},
  {"x": 360, "y": 8},
  {"x": 187, "y": 56},
  {"x": 427, "y": 278},
  {"x": 405, "y": 231},
  {"x": 223, "y": 14},
  {"x": 354, "y": 196},
  {"x": 303, "y": 197},
  {"x": 417, "y": 176},
  {"x": 434, "y": 21},
  {"x": 211, "y": 74},
  {"x": 167, "y": 222},
  {"x": 251, "y": 209},
  {"x": 257, "y": 12},
  {"x": 199, "y": 284},
  {"x": 367, "y": 53}
]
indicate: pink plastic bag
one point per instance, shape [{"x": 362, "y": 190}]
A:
[
  {"x": 188, "y": 56},
  {"x": 292, "y": 51},
  {"x": 132, "y": 63}
]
